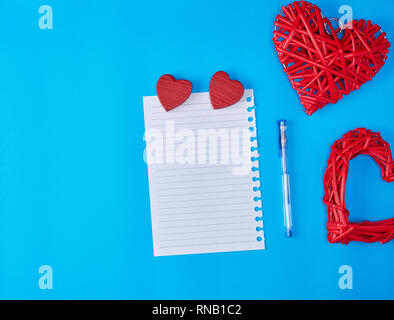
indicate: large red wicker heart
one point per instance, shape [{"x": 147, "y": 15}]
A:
[
  {"x": 352, "y": 144},
  {"x": 322, "y": 67}
]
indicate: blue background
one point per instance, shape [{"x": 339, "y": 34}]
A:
[{"x": 73, "y": 183}]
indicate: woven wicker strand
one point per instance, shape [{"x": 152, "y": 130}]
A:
[{"x": 352, "y": 144}]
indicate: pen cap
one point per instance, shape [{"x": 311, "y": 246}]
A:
[{"x": 282, "y": 139}]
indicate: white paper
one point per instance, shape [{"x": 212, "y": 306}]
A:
[{"x": 200, "y": 204}]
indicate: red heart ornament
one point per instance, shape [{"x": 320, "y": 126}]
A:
[
  {"x": 223, "y": 91},
  {"x": 353, "y": 144},
  {"x": 171, "y": 92},
  {"x": 322, "y": 67}
]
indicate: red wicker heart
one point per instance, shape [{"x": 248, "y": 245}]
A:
[
  {"x": 223, "y": 91},
  {"x": 354, "y": 143},
  {"x": 172, "y": 93},
  {"x": 322, "y": 67}
]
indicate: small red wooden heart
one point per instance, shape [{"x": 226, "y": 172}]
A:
[
  {"x": 171, "y": 92},
  {"x": 321, "y": 66},
  {"x": 223, "y": 91}
]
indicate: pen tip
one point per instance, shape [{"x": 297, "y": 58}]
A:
[{"x": 289, "y": 233}]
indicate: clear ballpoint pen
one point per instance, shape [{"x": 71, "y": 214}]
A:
[{"x": 285, "y": 178}]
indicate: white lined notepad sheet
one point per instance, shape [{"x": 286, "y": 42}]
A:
[{"x": 205, "y": 195}]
